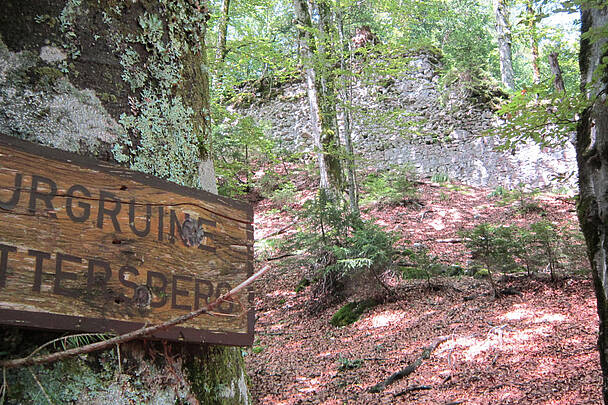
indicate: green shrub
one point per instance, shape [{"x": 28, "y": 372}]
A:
[
  {"x": 285, "y": 194},
  {"x": 525, "y": 202},
  {"x": 351, "y": 312},
  {"x": 238, "y": 143},
  {"x": 304, "y": 282},
  {"x": 440, "y": 178},
  {"x": 337, "y": 245},
  {"x": 346, "y": 364},
  {"x": 499, "y": 191},
  {"x": 423, "y": 264},
  {"x": 547, "y": 242},
  {"x": 494, "y": 247},
  {"x": 268, "y": 183},
  {"x": 540, "y": 245},
  {"x": 481, "y": 273}
]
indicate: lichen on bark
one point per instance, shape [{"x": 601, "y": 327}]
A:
[{"x": 79, "y": 75}]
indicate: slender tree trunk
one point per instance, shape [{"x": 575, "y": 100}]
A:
[
  {"x": 558, "y": 79},
  {"x": 353, "y": 197},
  {"x": 306, "y": 47},
  {"x": 328, "y": 98},
  {"x": 592, "y": 157},
  {"x": 531, "y": 15},
  {"x": 220, "y": 52},
  {"x": 503, "y": 31},
  {"x": 322, "y": 119}
]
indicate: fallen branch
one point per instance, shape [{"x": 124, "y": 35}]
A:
[
  {"x": 413, "y": 388},
  {"x": 426, "y": 353},
  {"x": 139, "y": 333}
]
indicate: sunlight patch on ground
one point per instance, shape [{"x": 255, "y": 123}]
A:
[
  {"x": 550, "y": 318},
  {"x": 472, "y": 348},
  {"x": 455, "y": 215},
  {"x": 382, "y": 320},
  {"x": 437, "y": 224},
  {"x": 517, "y": 314},
  {"x": 524, "y": 335},
  {"x": 509, "y": 394},
  {"x": 522, "y": 313},
  {"x": 308, "y": 385},
  {"x": 546, "y": 366}
]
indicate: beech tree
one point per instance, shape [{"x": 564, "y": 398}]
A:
[
  {"x": 592, "y": 156},
  {"x": 320, "y": 89},
  {"x": 503, "y": 31}
]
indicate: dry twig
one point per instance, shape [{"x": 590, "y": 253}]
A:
[{"x": 139, "y": 333}]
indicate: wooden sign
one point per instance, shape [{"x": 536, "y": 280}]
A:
[{"x": 88, "y": 246}]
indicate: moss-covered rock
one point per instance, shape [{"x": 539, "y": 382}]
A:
[
  {"x": 351, "y": 312},
  {"x": 218, "y": 377}
]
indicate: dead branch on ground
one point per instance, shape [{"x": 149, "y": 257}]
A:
[
  {"x": 426, "y": 353},
  {"x": 413, "y": 388}
]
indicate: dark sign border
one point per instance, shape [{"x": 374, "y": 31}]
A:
[{"x": 43, "y": 320}]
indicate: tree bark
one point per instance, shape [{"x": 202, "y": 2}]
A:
[
  {"x": 306, "y": 47},
  {"x": 503, "y": 31},
  {"x": 592, "y": 157},
  {"x": 558, "y": 79}
]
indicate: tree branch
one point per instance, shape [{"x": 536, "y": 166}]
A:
[{"x": 139, "y": 333}]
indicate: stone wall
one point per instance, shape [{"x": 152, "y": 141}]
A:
[{"x": 414, "y": 119}]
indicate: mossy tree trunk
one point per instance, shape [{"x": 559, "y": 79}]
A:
[
  {"x": 320, "y": 88},
  {"x": 592, "y": 156},
  {"x": 124, "y": 81}
]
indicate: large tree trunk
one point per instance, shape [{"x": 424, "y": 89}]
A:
[
  {"x": 503, "y": 31},
  {"x": 592, "y": 156},
  {"x": 328, "y": 97},
  {"x": 88, "y": 76},
  {"x": 306, "y": 48}
]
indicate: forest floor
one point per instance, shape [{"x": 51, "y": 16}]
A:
[{"x": 534, "y": 347}]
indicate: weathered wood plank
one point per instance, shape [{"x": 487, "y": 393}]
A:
[{"x": 92, "y": 246}]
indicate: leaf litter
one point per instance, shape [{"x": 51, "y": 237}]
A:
[{"x": 536, "y": 347}]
